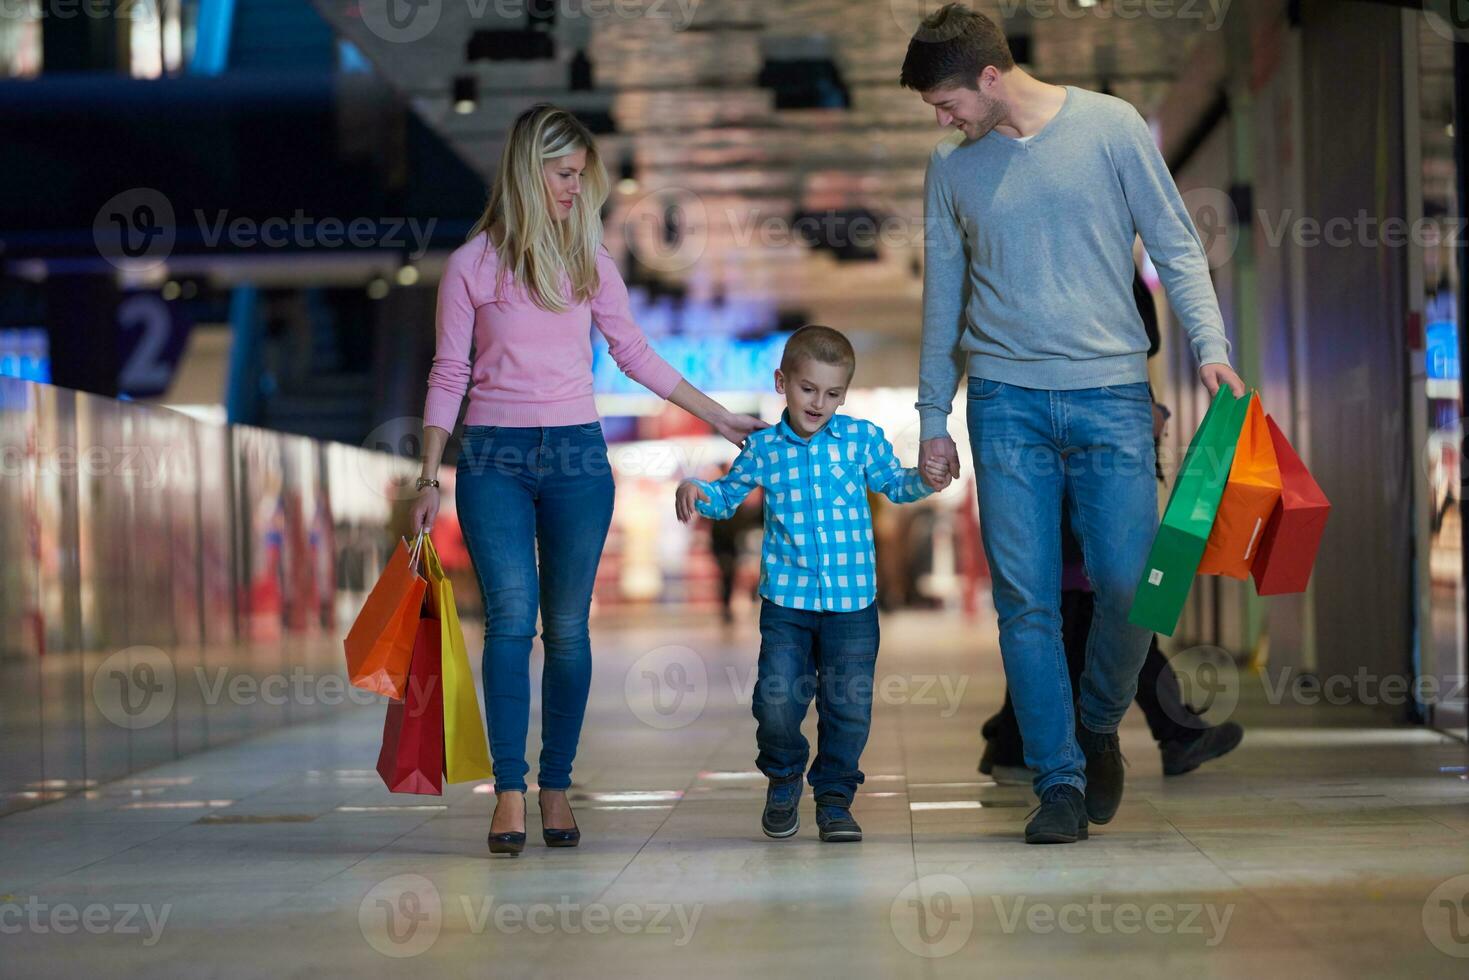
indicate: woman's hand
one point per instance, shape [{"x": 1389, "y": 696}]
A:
[
  {"x": 425, "y": 509},
  {"x": 686, "y": 500},
  {"x": 733, "y": 427},
  {"x": 736, "y": 428}
]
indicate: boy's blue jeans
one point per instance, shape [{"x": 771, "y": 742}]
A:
[
  {"x": 829, "y": 657},
  {"x": 1095, "y": 446}
]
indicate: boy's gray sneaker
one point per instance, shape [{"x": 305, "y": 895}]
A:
[
  {"x": 781, "y": 818},
  {"x": 835, "y": 824}
]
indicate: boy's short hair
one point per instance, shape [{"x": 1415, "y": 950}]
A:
[
  {"x": 819, "y": 343},
  {"x": 951, "y": 47}
]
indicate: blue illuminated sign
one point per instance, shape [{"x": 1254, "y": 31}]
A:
[
  {"x": 708, "y": 363},
  {"x": 1442, "y": 360},
  {"x": 25, "y": 354}
]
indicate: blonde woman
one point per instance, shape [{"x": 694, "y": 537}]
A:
[{"x": 528, "y": 287}]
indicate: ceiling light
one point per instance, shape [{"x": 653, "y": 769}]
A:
[{"x": 466, "y": 94}]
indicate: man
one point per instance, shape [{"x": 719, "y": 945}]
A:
[{"x": 1032, "y": 208}]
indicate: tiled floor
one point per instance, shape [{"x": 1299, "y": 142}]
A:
[{"x": 1329, "y": 844}]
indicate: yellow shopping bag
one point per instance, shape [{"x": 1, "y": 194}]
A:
[{"x": 466, "y": 754}]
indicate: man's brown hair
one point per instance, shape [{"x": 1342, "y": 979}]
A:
[
  {"x": 819, "y": 344},
  {"x": 951, "y": 47}
]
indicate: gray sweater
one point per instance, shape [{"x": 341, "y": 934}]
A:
[{"x": 1028, "y": 257}]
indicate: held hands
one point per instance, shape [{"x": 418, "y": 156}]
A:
[
  {"x": 687, "y": 498},
  {"x": 1214, "y": 375},
  {"x": 938, "y": 461}
]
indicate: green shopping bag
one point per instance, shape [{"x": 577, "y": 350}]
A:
[{"x": 1189, "y": 517}]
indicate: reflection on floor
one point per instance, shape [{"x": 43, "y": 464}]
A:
[{"x": 1329, "y": 844}]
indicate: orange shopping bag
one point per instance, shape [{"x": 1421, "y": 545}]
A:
[
  {"x": 380, "y": 642},
  {"x": 1249, "y": 499}
]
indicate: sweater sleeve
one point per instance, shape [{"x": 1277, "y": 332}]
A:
[
  {"x": 612, "y": 315},
  {"x": 1172, "y": 241},
  {"x": 453, "y": 332},
  {"x": 945, "y": 288}
]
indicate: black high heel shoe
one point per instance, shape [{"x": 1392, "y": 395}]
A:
[
  {"x": 555, "y": 837},
  {"x": 510, "y": 842}
]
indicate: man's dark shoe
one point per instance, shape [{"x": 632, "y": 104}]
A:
[
  {"x": 835, "y": 824},
  {"x": 1005, "y": 768},
  {"x": 1060, "y": 819},
  {"x": 781, "y": 818},
  {"x": 1181, "y": 755},
  {"x": 1103, "y": 773}
]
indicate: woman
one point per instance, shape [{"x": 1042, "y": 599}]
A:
[{"x": 527, "y": 287}]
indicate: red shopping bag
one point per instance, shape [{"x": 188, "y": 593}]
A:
[
  {"x": 412, "y": 757},
  {"x": 380, "y": 642},
  {"x": 1293, "y": 536}
]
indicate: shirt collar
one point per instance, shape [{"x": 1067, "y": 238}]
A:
[{"x": 783, "y": 427}]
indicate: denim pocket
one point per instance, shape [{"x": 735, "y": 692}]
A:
[
  {"x": 590, "y": 428},
  {"x": 475, "y": 448},
  {"x": 850, "y": 650},
  {"x": 1137, "y": 392},
  {"x": 981, "y": 389},
  {"x": 852, "y": 638}
]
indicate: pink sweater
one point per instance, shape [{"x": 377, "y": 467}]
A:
[{"x": 531, "y": 367}]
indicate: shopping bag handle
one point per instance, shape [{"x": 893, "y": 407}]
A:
[
  {"x": 416, "y": 551},
  {"x": 430, "y": 558}
]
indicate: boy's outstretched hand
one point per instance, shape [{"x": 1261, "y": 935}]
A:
[{"x": 687, "y": 498}]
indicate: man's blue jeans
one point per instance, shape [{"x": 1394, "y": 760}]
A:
[
  {"x": 518, "y": 488},
  {"x": 1095, "y": 447},
  {"x": 829, "y": 656}
]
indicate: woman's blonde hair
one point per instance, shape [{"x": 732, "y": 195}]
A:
[{"x": 536, "y": 250}]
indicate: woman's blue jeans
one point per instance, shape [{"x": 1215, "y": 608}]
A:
[{"x": 521, "y": 490}]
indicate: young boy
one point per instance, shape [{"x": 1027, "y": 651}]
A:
[{"x": 818, "y": 583}]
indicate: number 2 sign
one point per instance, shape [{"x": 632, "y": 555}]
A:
[{"x": 151, "y": 336}]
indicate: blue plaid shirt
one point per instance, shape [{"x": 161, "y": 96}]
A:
[{"x": 818, "y": 551}]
